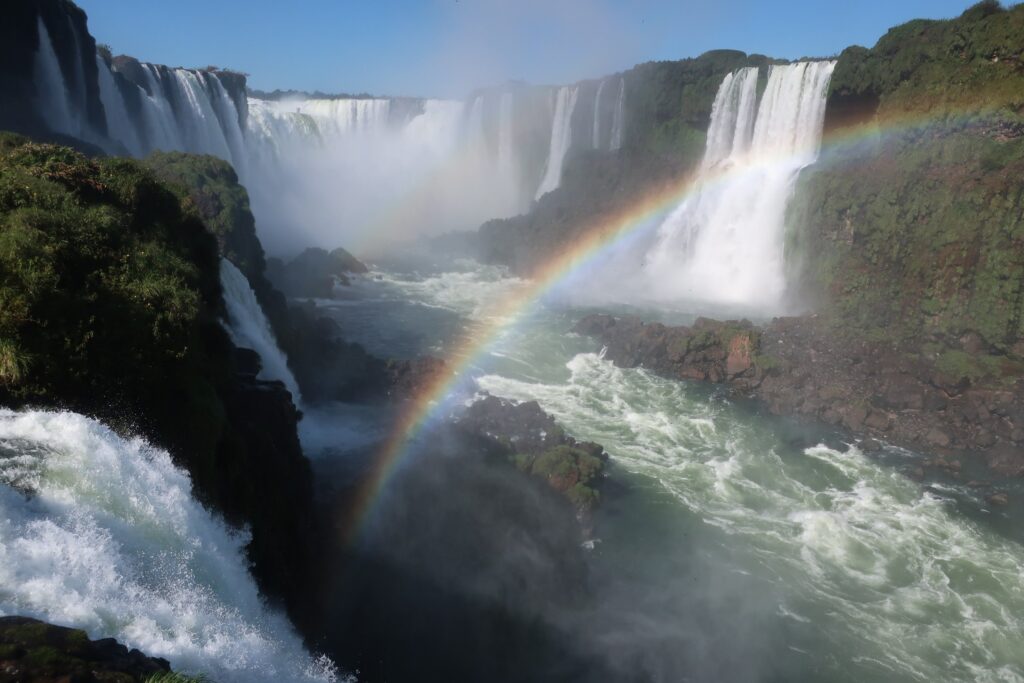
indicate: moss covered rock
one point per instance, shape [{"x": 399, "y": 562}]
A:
[{"x": 33, "y": 651}]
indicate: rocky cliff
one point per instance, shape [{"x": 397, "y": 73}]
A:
[{"x": 111, "y": 305}]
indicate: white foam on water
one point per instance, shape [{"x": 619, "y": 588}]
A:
[
  {"x": 102, "y": 533},
  {"x": 888, "y": 572}
]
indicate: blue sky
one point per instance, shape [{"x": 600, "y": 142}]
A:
[{"x": 445, "y": 47}]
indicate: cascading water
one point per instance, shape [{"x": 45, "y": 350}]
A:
[
  {"x": 561, "y": 139},
  {"x": 405, "y": 166},
  {"x": 249, "y": 328},
  {"x": 102, "y": 533},
  {"x": 619, "y": 120},
  {"x": 54, "y": 97},
  {"x": 724, "y": 244},
  {"x": 597, "y": 114},
  {"x": 119, "y": 122}
]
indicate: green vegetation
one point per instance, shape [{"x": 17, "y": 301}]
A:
[
  {"x": 569, "y": 469},
  {"x": 933, "y": 66},
  {"x": 107, "y": 290},
  {"x": 111, "y": 305},
  {"x": 917, "y": 236},
  {"x": 668, "y": 104},
  {"x": 210, "y": 187}
]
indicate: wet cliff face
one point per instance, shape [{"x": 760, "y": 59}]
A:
[
  {"x": 76, "y": 55},
  {"x": 909, "y": 228}
]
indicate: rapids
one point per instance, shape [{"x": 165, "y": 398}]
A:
[{"x": 744, "y": 547}]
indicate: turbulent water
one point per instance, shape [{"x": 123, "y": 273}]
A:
[
  {"x": 102, "y": 533},
  {"x": 746, "y": 548},
  {"x": 724, "y": 244},
  {"x": 249, "y": 328}
]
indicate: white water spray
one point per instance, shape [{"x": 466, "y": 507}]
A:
[
  {"x": 102, "y": 533},
  {"x": 724, "y": 245},
  {"x": 249, "y": 328}
]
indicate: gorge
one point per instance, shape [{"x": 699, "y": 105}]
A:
[{"x": 706, "y": 370}]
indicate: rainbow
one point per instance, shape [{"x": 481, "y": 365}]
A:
[{"x": 602, "y": 238}]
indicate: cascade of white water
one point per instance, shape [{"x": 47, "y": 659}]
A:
[
  {"x": 54, "y": 97},
  {"x": 249, "y": 328},
  {"x": 597, "y": 114},
  {"x": 506, "y": 132},
  {"x": 725, "y": 243},
  {"x": 120, "y": 126},
  {"x": 732, "y": 117},
  {"x": 203, "y": 129},
  {"x": 561, "y": 139},
  {"x": 102, "y": 533},
  {"x": 227, "y": 114},
  {"x": 475, "y": 121},
  {"x": 618, "y": 120},
  {"x": 164, "y": 133}
]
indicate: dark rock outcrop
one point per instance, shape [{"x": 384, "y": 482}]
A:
[
  {"x": 804, "y": 366},
  {"x": 537, "y": 445},
  {"x": 33, "y": 651},
  {"x": 314, "y": 272}
]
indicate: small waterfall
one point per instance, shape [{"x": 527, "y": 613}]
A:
[
  {"x": 725, "y": 243},
  {"x": 597, "y": 114},
  {"x": 249, "y": 328},
  {"x": 506, "y": 142},
  {"x": 120, "y": 126},
  {"x": 561, "y": 139},
  {"x": 619, "y": 119},
  {"x": 54, "y": 96},
  {"x": 732, "y": 117},
  {"x": 102, "y": 533}
]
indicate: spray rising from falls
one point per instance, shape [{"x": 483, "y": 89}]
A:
[
  {"x": 725, "y": 243},
  {"x": 249, "y": 328},
  {"x": 102, "y": 533}
]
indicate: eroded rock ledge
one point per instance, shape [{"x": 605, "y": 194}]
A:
[{"x": 801, "y": 366}]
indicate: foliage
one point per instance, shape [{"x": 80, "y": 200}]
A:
[
  {"x": 968, "y": 62},
  {"x": 668, "y": 103},
  {"x": 109, "y": 296},
  {"x": 569, "y": 469},
  {"x": 209, "y": 187}
]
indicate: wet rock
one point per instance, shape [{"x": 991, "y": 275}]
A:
[
  {"x": 937, "y": 437},
  {"x": 1000, "y": 499},
  {"x": 804, "y": 366},
  {"x": 32, "y": 651}
]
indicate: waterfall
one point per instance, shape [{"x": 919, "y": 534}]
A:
[
  {"x": 618, "y": 120},
  {"x": 54, "y": 97},
  {"x": 724, "y": 244},
  {"x": 102, "y": 533},
  {"x": 119, "y": 123},
  {"x": 732, "y": 117},
  {"x": 561, "y": 139},
  {"x": 249, "y": 328},
  {"x": 597, "y": 114},
  {"x": 506, "y": 133}
]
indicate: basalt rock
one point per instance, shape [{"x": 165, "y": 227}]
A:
[{"x": 537, "y": 445}]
